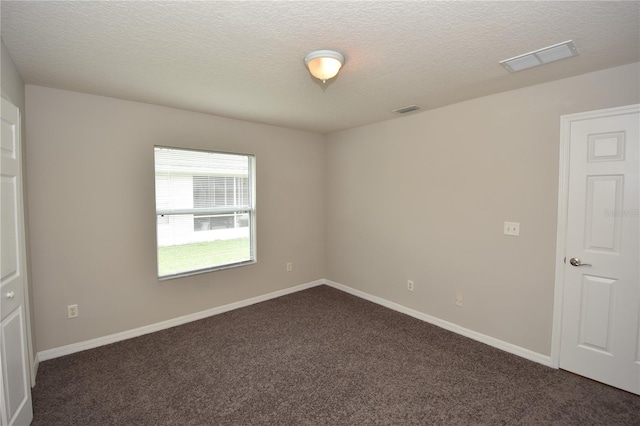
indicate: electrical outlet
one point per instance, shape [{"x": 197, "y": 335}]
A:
[
  {"x": 289, "y": 267},
  {"x": 72, "y": 311},
  {"x": 458, "y": 299},
  {"x": 410, "y": 285},
  {"x": 512, "y": 228}
]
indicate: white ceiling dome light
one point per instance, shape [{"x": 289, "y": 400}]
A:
[{"x": 324, "y": 64}]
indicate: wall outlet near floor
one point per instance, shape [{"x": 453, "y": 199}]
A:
[
  {"x": 512, "y": 228},
  {"x": 72, "y": 311},
  {"x": 410, "y": 285},
  {"x": 289, "y": 267},
  {"x": 458, "y": 299}
]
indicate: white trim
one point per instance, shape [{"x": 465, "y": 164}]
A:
[
  {"x": 483, "y": 338},
  {"x": 112, "y": 338},
  {"x": 34, "y": 370},
  {"x": 563, "y": 206},
  {"x": 105, "y": 340},
  {"x": 561, "y": 237},
  {"x": 600, "y": 113}
]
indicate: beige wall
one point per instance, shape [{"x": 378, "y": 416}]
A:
[
  {"x": 424, "y": 197},
  {"x": 91, "y": 195},
  {"x": 12, "y": 84}
]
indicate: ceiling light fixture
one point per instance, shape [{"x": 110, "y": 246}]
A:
[
  {"x": 324, "y": 64},
  {"x": 542, "y": 56}
]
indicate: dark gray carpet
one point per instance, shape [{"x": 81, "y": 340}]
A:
[{"x": 317, "y": 357}]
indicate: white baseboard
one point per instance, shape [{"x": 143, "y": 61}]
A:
[
  {"x": 112, "y": 338},
  {"x": 34, "y": 370},
  {"x": 483, "y": 338}
]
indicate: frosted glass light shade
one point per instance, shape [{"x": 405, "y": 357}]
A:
[{"x": 324, "y": 64}]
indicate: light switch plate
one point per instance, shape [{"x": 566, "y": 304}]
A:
[{"x": 512, "y": 228}]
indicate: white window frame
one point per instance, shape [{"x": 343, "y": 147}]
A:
[{"x": 250, "y": 209}]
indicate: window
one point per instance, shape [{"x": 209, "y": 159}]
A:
[{"x": 205, "y": 211}]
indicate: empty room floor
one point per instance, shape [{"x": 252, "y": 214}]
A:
[{"x": 316, "y": 357}]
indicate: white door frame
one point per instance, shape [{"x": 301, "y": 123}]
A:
[{"x": 563, "y": 204}]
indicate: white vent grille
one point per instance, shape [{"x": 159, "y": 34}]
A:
[
  {"x": 541, "y": 56},
  {"x": 409, "y": 108}
]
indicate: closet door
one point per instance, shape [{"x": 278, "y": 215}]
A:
[{"x": 16, "y": 393}]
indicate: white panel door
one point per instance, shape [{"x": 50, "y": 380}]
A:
[
  {"x": 16, "y": 393},
  {"x": 600, "y": 336}
]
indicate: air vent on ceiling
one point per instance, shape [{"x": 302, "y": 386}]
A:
[
  {"x": 407, "y": 109},
  {"x": 541, "y": 56}
]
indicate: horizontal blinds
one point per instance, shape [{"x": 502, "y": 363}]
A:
[
  {"x": 213, "y": 210},
  {"x": 193, "y": 162},
  {"x": 196, "y": 182}
]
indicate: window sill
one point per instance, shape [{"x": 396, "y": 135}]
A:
[{"x": 207, "y": 270}]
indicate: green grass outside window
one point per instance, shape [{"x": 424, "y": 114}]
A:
[{"x": 196, "y": 256}]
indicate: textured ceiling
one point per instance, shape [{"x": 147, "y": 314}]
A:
[{"x": 245, "y": 59}]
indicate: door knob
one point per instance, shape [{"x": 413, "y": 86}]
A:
[
  {"x": 10, "y": 295},
  {"x": 576, "y": 262}
]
